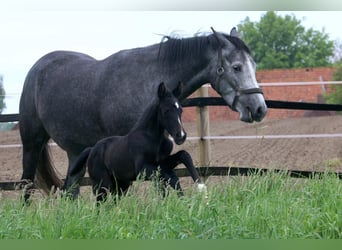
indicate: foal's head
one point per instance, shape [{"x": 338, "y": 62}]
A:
[{"x": 170, "y": 112}]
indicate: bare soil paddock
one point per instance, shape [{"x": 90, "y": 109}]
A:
[{"x": 301, "y": 154}]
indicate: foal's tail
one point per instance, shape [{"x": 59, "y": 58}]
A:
[
  {"x": 77, "y": 171},
  {"x": 78, "y": 168}
]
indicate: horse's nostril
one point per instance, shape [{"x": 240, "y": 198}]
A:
[
  {"x": 260, "y": 110},
  {"x": 260, "y": 113}
]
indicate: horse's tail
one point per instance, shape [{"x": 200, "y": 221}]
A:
[
  {"x": 78, "y": 168},
  {"x": 47, "y": 177}
]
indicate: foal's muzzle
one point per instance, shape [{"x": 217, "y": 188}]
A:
[{"x": 180, "y": 137}]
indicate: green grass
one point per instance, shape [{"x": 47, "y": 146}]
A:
[{"x": 272, "y": 206}]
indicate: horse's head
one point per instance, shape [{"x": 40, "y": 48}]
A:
[
  {"x": 234, "y": 78},
  {"x": 170, "y": 113}
]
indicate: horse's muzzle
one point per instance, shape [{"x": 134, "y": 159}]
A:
[{"x": 253, "y": 113}]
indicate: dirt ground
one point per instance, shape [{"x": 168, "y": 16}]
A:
[{"x": 300, "y": 154}]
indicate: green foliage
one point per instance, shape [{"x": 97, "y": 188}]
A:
[
  {"x": 2, "y": 95},
  {"x": 282, "y": 42},
  {"x": 335, "y": 94},
  {"x": 271, "y": 206}
]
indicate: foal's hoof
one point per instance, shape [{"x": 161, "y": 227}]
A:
[{"x": 202, "y": 188}]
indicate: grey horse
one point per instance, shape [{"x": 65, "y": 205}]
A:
[{"x": 77, "y": 100}]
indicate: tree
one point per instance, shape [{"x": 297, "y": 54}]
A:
[
  {"x": 335, "y": 95},
  {"x": 282, "y": 42},
  {"x": 337, "y": 55},
  {"x": 2, "y": 95}
]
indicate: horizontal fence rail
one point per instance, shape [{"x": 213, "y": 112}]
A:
[
  {"x": 219, "y": 171},
  {"x": 287, "y": 84},
  {"x": 9, "y": 118},
  {"x": 231, "y": 137},
  {"x": 206, "y": 172},
  {"x": 218, "y": 101},
  {"x": 262, "y": 137}
]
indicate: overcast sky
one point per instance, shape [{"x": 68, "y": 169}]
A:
[{"x": 27, "y": 34}]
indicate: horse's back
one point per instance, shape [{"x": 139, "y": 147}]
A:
[
  {"x": 41, "y": 71},
  {"x": 79, "y": 100},
  {"x": 57, "y": 93},
  {"x": 60, "y": 57}
]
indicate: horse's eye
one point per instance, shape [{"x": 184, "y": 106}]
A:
[{"x": 237, "y": 68}]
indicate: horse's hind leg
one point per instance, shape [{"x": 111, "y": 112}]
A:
[{"x": 34, "y": 139}]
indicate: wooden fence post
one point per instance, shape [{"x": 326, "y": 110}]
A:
[{"x": 203, "y": 130}]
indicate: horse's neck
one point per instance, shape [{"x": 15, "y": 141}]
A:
[
  {"x": 192, "y": 77},
  {"x": 192, "y": 71},
  {"x": 149, "y": 122}
]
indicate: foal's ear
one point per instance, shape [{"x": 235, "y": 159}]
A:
[
  {"x": 161, "y": 90},
  {"x": 178, "y": 90}
]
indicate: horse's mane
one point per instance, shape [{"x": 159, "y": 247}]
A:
[
  {"x": 173, "y": 49},
  {"x": 238, "y": 43}
]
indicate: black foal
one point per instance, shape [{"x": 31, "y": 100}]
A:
[{"x": 114, "y": 162}]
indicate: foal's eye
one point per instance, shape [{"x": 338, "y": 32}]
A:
[{"x": 237, "y": 68}]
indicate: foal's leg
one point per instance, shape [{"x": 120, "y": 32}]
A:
[
  {"x": 167, "y": 165},
  {"x": 183, "y": 157},
  {"x": 102, "y": 179},
  {"x": 169, "y": 177},
  {"x": 122, "y": 186},
  {"x": 148, "y": 171},
  {"x": 102, "y": 185}
]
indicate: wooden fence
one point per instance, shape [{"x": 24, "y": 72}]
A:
[{"x": 203, "y": 137}]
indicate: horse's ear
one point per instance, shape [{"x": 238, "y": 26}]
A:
[
  {"x": 178, "y": 90},
  {"x": 234, "y": 32},
  {"x": 161, "y": 90}
]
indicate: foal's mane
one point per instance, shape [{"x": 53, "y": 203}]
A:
[
  {"x": 149, "y": 113},
  {"x": 173, "y": 49}
]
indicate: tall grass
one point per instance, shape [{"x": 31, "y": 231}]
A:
[{"x": 271, "y": 206}]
